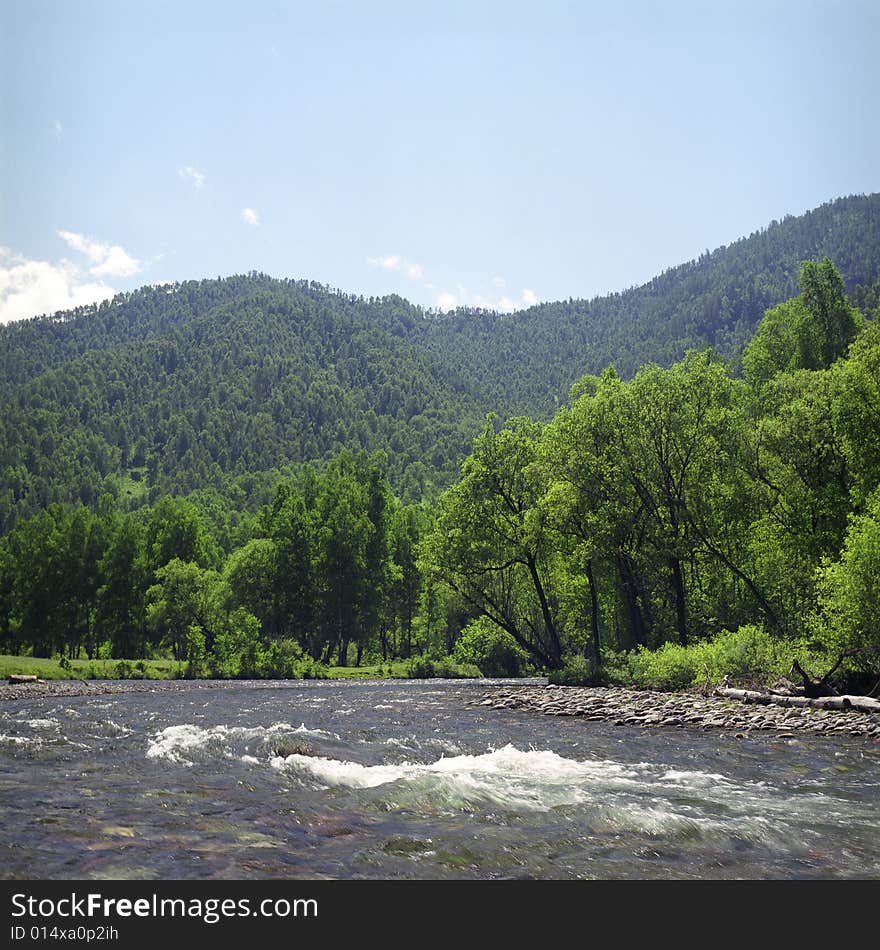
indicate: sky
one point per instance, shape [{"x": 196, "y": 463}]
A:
[{"x": 481, "y": 154}]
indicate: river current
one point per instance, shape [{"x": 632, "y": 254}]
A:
[{"x": 407, "y": 780}]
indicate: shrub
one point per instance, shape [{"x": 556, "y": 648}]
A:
[
  {"x": 746, "y": 654},
  {"x": 492, "y": 650},
  {"x": 424, "y": 668},
  {"x": 196, "y": 653},
  {"x": 310, "y": 669},
  {"x": 668, "y": 668},
  {"x": 577, "y": 671}
]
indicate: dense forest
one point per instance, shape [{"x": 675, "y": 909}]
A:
[
  {"x": 262, "y": 477},
  {"x": 222, "y": 387}
]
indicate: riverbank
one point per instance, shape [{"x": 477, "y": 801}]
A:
[
  {"x": 17, "y": 691},
  {"x": 627, "y": 707},
  {"x": 616, "y": 705}
]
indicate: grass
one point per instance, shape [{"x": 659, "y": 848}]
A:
[
  {"x": 393, "y": 669},
  {"x": 165, "y": 669},
  {"x": 90, "y": 669}
]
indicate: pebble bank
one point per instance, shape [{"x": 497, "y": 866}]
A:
[{"x": 627, "y": 707}]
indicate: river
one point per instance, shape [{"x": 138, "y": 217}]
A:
[{"x": 405, "y": 779}]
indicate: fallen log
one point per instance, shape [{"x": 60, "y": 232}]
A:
[
  {"x": 24, "y": 678},
  {"x": 855, "y": 703}
]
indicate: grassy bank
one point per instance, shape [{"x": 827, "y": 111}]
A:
[
  {"x": 90, "y": 669},
  {"x": 56, "y": 669}
]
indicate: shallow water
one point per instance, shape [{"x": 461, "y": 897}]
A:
[{"x": 405, "y": 780}]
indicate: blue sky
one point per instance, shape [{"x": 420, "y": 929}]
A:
[{"x": 457, "y": 153}]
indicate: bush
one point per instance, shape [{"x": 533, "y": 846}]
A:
[
  {"x": 492, "y": 650},
  {"x": 669, "y": 668},
  {"x": 281, "y": 660},
  {"x": 425, "y": 668},
  {"x": 310, "y": 669},
  {"x": 577, "y": 671},
  {"x": 746, "y": 654}
]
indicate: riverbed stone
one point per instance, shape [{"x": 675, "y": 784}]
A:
[{"x": 651, "y": 709}]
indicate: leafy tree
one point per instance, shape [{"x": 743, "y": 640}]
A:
[
  {"x": 850, "y": 588},
  {"x": 856, "y": 410},
  {"x": 810, "y": 332},
  {"x": 494, "y": 651},
  {"x": 491, "y": 544},
  {"x": 186, "y": 605},
  {"x": 121, "y": 617},
  {"x": 252, "y": 573}
]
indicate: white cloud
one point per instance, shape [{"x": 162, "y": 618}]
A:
[
  {"x": 57, "y": 128},
  {"x": 108, "y": 260},
  {"x": 392, "y": 262},
  {"x": 503, "y": 304},
  {"x": 499, "y": 282},
  {"x": 447, "y": 301},
  {"x": 188, "y": 173},
  {"x": 29, "y": 288},
  {"x": 249, "y": 216},
  {"x": 395, "y": 262}
]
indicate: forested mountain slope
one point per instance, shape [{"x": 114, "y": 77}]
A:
[
  {"x": 222, "y": 384},
  {"x": 531, "y": 358}
]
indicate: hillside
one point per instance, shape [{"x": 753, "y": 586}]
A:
[
  {"x": 530, "y": 359},
  {"x": 222, "y": 384}
]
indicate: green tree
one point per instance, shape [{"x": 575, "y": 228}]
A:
[
  {"x": 849, "y": 599},
  {"x": 491, "y": 543},
  {"x": 251, "y": 572},
  {"x": 811, "y": 331},
  {"x": 121, "y": 617},
  {"x": 187, "y": 598}
]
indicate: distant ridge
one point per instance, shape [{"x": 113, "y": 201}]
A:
[{"x": 220, "y": 385}]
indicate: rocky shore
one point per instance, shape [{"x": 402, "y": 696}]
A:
[
  {"x": 13, "y": 691},
  {"x": 627, "y": 707},
  {"x": 617, "y": 705}
]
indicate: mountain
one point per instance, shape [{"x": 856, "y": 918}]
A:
[
  {"x": 530, "y": 359},
  {"x": 223, "y": 385}
]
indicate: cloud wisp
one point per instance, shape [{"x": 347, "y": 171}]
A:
[
  {"x": 193, "y": 175},
  {"x": 396, "y": 262},
  {"x": 449, "y": 301},
  {"x": 445, "y": 299},
  {"x": 249, "y": 216},
  {"x": 108, "y": 260}
]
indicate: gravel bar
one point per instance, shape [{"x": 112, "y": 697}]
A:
[{"x": 679, "y": 710}]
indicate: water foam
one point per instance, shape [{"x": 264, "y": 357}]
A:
[
  {"x": 531, "y": 780},
  {"x": 43, "y": 723},
  {"x": 607, "y": 796},
  {"x": 186, "y": 743}
]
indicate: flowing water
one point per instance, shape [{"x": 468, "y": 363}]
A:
[{"x": 406, "y": 780}]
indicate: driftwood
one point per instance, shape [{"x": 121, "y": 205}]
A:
[
  {"x": 24, "y": 678},
  {"x": 815, "y": 688},
  {"x": 855, "y": 703}
]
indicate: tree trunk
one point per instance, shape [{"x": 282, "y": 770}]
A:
[
  {"x": 680, "y": 611},
  {"x": 635, "y": 621},
  {"x": 857, "y": 703},
  {"x": 555, "y": 652},
  {"x": 594, "y": 616}
]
